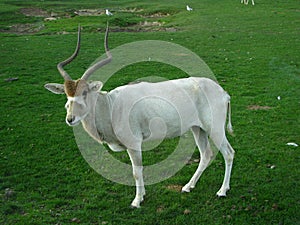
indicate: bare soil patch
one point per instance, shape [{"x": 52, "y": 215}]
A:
[
  {"x": 174, "y": 187},
  {"x": 156, "y": 15},
  {"x": 90, "y": 12},
  {"x": 34, "y": 12},
  {"x": 258, "y": 107},
  {"x": 144, "y": 26},
  {"x": 27, "y": 28},
  {"x": 132, "y": 10}
]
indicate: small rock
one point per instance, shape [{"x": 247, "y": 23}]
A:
[
  {"x": 292, "y": 144},
  {"x": 9, "y": 193},
  {"x": 186, "y": 211},
  {"x": 75, "y": 220},
  {"x": 270, "y": 166},
  {"x": 274, "y": 206},
  {"x": 160, "y": 209},
  {"x": 11, "y": 79},
  {"x": 50, "y": 19}
]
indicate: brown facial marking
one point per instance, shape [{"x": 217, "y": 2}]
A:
[{"x": 74, "y": 88}]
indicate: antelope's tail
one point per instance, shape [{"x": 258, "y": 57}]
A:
[{"x": 229, "y": 125}]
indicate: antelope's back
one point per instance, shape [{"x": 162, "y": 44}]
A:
[{"x": 171, "y": 107}]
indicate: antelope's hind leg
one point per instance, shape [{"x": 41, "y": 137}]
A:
[
  {"x": 206, "y": 154},
  {"x": 228, "y": 154}
]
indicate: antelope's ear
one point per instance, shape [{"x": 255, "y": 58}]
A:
[
  {"x": 55, "y": 88},
  {"x": 95, "y": 85}
]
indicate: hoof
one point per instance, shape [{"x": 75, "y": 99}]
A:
[
  {"x": 134, "y": 206},
  {"x": 221, "y": 196},
  {"x": 136, "y": 203},
  {"x": 185, "y": 189},
  {"x": 222, "y": 193}
]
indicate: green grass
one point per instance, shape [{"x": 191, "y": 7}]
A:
[{"x": 254, "y": 53}]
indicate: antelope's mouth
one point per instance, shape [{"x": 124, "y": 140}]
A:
[
  {"x": 73, "y": 121},
  {"x": 72, "y": 124}
]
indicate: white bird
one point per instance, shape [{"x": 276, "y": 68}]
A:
[
  {"x": 108, "y": 12},
  {"x": 188, "y": 8}
]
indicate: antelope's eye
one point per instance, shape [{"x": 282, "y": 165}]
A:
[{"x": 84, "y": 93}]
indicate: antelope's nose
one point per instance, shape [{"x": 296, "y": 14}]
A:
[{"x": 70, "y": 119}]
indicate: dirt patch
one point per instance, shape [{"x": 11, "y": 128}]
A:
[
  {"x": 154, "y": 26},
  {"x": 151, "y": 24},
  {"x": 174, "y": 187},
  {"x": 36, "y": 12},
  {"x": 99, "y": 12},
  {"x": 131, "y": 10},
  {"x": 90, "y": 12},
  {"x": 156, "y": 15},
  {"x": 143, "y": 26},
  {"x": 27, "y": 28},
  {"x": 258, "y": 107}
]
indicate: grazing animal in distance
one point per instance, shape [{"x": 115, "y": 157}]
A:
[
  {"x": 122, "y": 117},
  {"x": 246, "y": 2}
]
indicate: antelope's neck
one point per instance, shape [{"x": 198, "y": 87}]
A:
[
  {"x": 89, "y": 122},
  {"x": 98, "y": 122}
]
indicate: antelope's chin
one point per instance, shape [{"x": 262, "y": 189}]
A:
[{"x": 74, "y": 123}]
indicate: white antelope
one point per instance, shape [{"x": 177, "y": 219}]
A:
[{"x": 122, "y": 117}]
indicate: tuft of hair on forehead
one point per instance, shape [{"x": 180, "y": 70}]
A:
[{"x": 74, "y": 88}]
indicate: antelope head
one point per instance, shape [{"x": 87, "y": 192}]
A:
[{"x": 78, "y": 91}]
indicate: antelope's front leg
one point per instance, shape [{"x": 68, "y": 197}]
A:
[{"x": 137, "y": 168}]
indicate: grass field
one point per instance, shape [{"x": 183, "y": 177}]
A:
[{"x": 254, "y": 54}]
